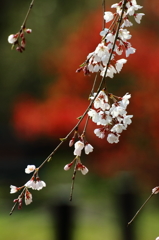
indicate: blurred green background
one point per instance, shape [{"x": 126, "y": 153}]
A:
[{"x": 99, "y": 206}]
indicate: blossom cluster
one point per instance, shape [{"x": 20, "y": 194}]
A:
[
  {"x": 114, "y": 41},
  {"x": 14, "y": 39},
  {"x": 112, "y": 117},
  {"x": 106, "y": 110},
  {"x": 78, "y": 147},
  {"x": 34, "y": 183}
]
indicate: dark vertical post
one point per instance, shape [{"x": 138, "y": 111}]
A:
[
  {"x": 126, "y": 198},
  {"x": 63, "y": 215}
]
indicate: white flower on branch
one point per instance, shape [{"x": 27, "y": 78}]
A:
[
  {"x": 88, "y": 148},
  {"x": 30, "y": 168},
  {"x": 118, "y": 128},
  {"x": 131, "y": 9},
  {"x": 138, "y": 17},
  {"x": 108, "y": 16},
  {"x": 119, "y": 64},
  {"x": 28, "y": 197},
  {"x": 35, "y": 184},
  {"x": 115, "y": 118},
  {"x": 124, "y": 34},
  {"x": 101, "y": 101},
  {"x": 129, "y": 50},
  {"x": 80, "y": 167},
  {"x": 100, "y": 132},
  {"x": 13, "y": 189},
  {"x": 79, "y": 145},
  {"x": 12, "y": 38},
  {"x": 127, "y": 120},
  {"x": 126, "y": 23},
  {"x": 113, "y": 138}
]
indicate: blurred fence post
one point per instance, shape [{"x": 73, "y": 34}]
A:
[
  {"x": 63, "y": 215},
  {"x": 126, "y": 201}
]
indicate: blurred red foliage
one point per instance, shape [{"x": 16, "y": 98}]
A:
[{"x": 67, "y": 99}]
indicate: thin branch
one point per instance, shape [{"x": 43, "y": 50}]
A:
[
  {"x": 27, "y": 15},
  {"x": 140, "y": 208},
  {"x": 73, "y": 181},
  {"x": 103, "y": 5}
]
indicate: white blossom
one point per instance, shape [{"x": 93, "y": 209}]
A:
[
  {"x": 13, "y": 189},
  {"x": 127, "y": 120},
  {"x": 130, "y": 50},
  {"x": 30, "y": 168},
  {"x": 110, "y": 72},
  {"x": 138, "y": 17},
  {"x": 119, "y": 64},
  {"x": 35, "y": 184},
  {"x": 118, "y": 128},
  {"x": 108, "y": 16},
  {"x": 101, "y": 50},
  {"x": 125, "y": 100},
  {"x": 101, "y": 101},
  {"x": 124, "y": 34},
  {"x": 94, "y": 115},
  {"x": 79, "y": 145},
  {"x": 28, "y": 197},
  {"x": 104, "y": 32},
  {"x": 12, "y": 38},
  {"x": 113, "y": 138},
  {"x": 110, "y": 37},
  {"x": 80, "y": 167},
  {"x": 127, "y": 23},
  {"x": 40, "y": 184},
  {"x": 99, "y": 133},
  {"x": 117, "y": 110},
  {"x": 131, "y": 10},
  {"x": 88, "y": 148}
]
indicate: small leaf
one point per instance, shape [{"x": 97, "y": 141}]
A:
[
  {"x": 62, "y": 139},
  {"x": 49, "y": 159},
  {"x": 79, "y": 117}
]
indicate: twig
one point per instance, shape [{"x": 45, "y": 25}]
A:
[{"x": 140, "y": 208}]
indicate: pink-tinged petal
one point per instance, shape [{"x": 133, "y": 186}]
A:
[{"x": 155, "y": 190}]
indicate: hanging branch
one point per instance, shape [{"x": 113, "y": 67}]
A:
[
  {"x": 18, "y": 39},
  {"x": 105, "y": 109}
]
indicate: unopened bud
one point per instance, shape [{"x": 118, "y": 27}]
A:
[
  {"x": 28, "y": 30},
  {"x": 71, "y": 142},
  {"x": 155, "y": 190}
]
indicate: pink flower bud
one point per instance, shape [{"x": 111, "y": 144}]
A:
[
  {"x": 155, "y": 190},
  {"x": 68, "y": 166},
  {"x": 28, "y": 30},
  {"x": 71, "y": 142}
]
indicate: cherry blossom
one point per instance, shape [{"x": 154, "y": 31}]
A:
[
  {"x": 30, "y": 168},
  {"x": 79, "y": 145},
  {"x": 35, "y": 184},
  {"x": 108, "y": 16},
  {"x": 12, "y": 38},
  {"x": 88, "y": 148},
  {"x": 138, "y": 17},
  {"x": 113, "y": 138},
  {"x": 28, "y": 197},
  {"x": 80, "y": 167},
  {"x": 13, "y": 189}
]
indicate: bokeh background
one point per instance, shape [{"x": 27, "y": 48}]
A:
[{"x": 41, "y": 96}]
